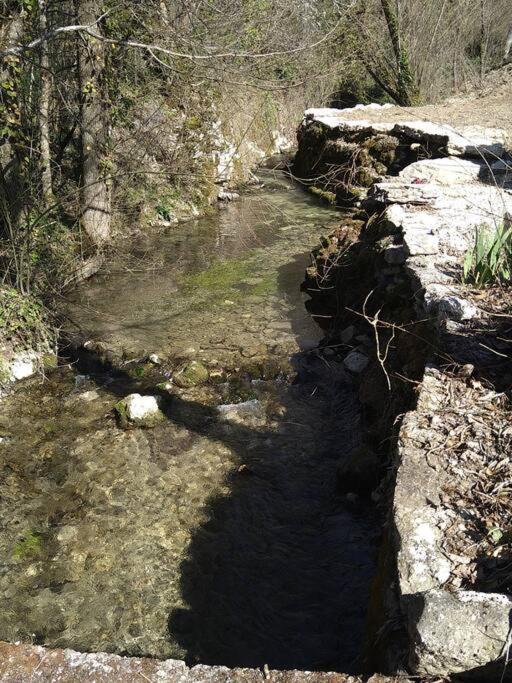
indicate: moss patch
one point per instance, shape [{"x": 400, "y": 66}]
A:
[
  {"x": 23, "y": 320},
  {"x": 30, "y": 546},
  {"x": 49, "y": 361},
  {"x": 267, "y": 285},
  {"x": 4, "y": 371},
  {"x": 122, "y": 414},
  {"x": 137, "y": 371},
  {"x": 219, "y": 276}
]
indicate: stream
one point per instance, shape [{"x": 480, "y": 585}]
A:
[{"x": 217, "y": 536}]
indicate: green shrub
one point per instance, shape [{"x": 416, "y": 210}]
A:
[
  {"x": 490, "y": 259},
  {"x": 23, "y": 320}
]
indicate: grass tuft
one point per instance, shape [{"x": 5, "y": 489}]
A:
[{"x": 489, "y": 261}]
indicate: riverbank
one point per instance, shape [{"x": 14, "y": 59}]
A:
[{"x": 448, "y": 457}]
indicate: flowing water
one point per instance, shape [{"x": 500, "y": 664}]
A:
[{"x": 216, "y": 537}]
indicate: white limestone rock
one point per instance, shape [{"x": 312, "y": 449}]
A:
[
  {"x": 140, "y": 411},
  {"x": 226, "y": 196},
  {"x": 23, "y": 365},
  {"x": 458, "y": 632},
  {"x": 446, "y": 171},
  {"x": 252, "y": 412}
]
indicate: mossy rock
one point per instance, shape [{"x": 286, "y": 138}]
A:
[
  {"x": 317, "y": 132},
  {"x": 139, "y": 371},
  {"x": 324, "y": 195},
  {"x": 122, "y": 414},
  {"x": 347, "y": 194},
  {"x": 365, "y": 176},
  {"x": 190, "y": 375},
  {"x": 383, "y": 148},
  {"x": 340, "y": 152},
  {"x": 5, "y": 372},
  {"x": 384, "y": 243},
  {"x": 50, "y": 361},
  {"x": 131, "y": 412}
]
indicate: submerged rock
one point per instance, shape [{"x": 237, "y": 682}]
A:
[
  {"x": 190, "y": 375},
  {"x": 226, "y": 196},
  {"x": 249, "y": 411},
  {"x": 347, "y": 334},
  {"x": 139, "y": 411},
  {"x": 356, "y": 362}
]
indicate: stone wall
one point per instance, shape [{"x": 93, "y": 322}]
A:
[{"x": 421, "y": 190}]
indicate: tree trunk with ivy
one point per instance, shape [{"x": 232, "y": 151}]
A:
[
  {"x": 95, "y": 210},
  {"x": 406, "y": 89},
  {"x": 13, "y": 191}
]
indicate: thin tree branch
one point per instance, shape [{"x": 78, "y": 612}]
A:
[{"x": 87, "y": 29}]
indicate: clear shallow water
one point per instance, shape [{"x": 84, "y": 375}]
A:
[{"x": 207, "y": 539}]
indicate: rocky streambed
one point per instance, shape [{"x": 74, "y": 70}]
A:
[
  {"x": 217, "y": 534},
  {"x": 208, "y": 478}
]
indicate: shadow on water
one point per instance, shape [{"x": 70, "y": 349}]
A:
[{"x": 279, "y": 574}]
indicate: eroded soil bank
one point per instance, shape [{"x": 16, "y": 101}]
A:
[{"x": 218, "y": 536}]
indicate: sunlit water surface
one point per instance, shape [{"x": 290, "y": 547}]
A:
[{"x": 207, "y": 539}]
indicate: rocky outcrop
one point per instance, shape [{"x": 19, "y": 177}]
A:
[{"x": 426, "y": 190}]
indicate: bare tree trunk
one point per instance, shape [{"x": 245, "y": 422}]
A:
[
  {"x": 508, "y": 46},
  {"x": 44, "y": 110},
  {"x": 95, "y": 195}
]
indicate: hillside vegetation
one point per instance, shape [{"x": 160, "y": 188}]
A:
[{"x": 119, "y": 117}]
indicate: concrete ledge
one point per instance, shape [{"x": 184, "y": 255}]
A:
[
  {"x": 469, "y": 141},
  {"x": 21, "y": 663}
]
